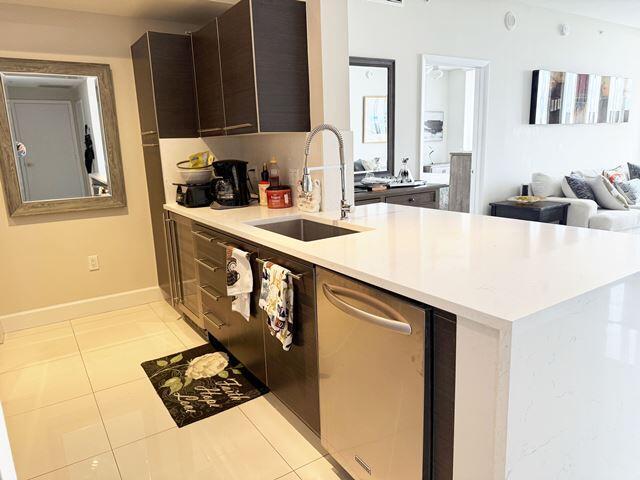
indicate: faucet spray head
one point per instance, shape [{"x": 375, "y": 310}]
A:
[{"x": 307, "y": 182}]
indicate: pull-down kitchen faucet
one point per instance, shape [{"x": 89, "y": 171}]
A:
[{"x": 307, "y": 183}]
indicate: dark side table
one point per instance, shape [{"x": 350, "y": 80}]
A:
[{"x": 546, "y": 212}]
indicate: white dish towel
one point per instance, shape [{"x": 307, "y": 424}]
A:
[{"x": 239, "y": 281}]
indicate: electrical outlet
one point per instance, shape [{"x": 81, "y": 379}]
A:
[{"x": 94, "y": 264}]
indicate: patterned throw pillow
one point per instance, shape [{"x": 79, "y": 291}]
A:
[
  {"x": 617, "y": 174},
  {"x": 634, "y": 171},
  {"x": 580, "y": 187},
  {"x": 630, "y": 190}
]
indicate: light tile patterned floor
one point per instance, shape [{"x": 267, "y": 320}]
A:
[{"x": 79, "y": 407}]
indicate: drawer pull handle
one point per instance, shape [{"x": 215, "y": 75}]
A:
[
  {"x": 226, "y": 245},
  {"x": 209, "y": 130},
  {"x": 203, "y": 289},
  {"x": 295, "y": 276},
  {"x": 208, "y": 266},
  {"x": 149, "y": 132},
  {"x": 411, "y": 200},
  {"x": 203, "y": 236},
  {"x": 216, "y": 323},
  {"x": 150, "y": 145},
  {"x": 236, "y": 127}
]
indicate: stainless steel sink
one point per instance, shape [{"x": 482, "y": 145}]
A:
[{"x": 306, "y": 230}]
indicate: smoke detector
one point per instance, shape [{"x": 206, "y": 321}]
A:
[{"x": 510, "y": 21}]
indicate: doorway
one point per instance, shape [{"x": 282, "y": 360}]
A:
[{"x": 453, "y": 128}]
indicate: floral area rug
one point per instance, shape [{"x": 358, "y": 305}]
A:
[{"x": 201, "y": 382}]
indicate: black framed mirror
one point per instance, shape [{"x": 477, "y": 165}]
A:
[{"x": 372, "y": 105}]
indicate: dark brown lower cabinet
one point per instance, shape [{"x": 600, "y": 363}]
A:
[
  {"x": 189, "y": 301},
  {"x": 293, "y": 375}
]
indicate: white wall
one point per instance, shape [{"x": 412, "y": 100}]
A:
[
  {"x": 457, "y": 88},
  {"x": 475, "y": 29},
  {"x": 436, "y": 100}
]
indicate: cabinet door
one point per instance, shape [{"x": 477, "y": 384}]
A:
[
  {"x": 293, "y": 376},
  {"x": 188, "y": 279},
  {"x": 144, "y": 85},
  {"x": 155, "y": 190},
  {"x": 206, "y": 57},
  {"x": 246, "y": 340},
  {"x": 282, "y": 67},
  {"x": 238, "y": 74},
  {"x": 173, "y": 85}
]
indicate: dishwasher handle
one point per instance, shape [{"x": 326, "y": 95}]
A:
[{"x": 397, "y": 323}]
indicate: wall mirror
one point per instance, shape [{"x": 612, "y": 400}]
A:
[
  {"x": 59, "y": 137},
  {"x": 372, "y": 104}
]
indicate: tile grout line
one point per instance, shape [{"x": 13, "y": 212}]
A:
[
  {"x": 267, "y": 440},
  {"x": 95, "y": 401},
  {"x": 40, "y": 475}
]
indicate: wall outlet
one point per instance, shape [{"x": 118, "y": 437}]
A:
[{"x": 94, "y": 264}]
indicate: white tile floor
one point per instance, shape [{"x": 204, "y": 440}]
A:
[{"x": 79, "y": 407}]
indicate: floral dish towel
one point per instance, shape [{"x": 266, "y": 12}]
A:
[{"x": 276, "y": 299}]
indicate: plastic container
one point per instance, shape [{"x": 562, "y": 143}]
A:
[
  {"x": 279, "y": 197},
  {"x": 262, "y": 191},
  {"x": 274, "y": 172}
]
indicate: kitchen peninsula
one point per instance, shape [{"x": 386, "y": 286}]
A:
[{"x": 534, "y": 333}]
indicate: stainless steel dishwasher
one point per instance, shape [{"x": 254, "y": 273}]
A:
[{"x": 374, "y": 380}]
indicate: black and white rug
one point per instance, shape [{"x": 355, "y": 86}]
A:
[{"x": 201, "y": 382}]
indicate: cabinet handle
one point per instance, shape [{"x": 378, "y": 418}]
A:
[
  {"x": 203, "y": 289},
  {"x": 149, "y": 132},
  {"x": 203, "y": 236},
  {"x": 411, "y": 200},
  {"x": 236, "y": 127},
  {"x": 150, "y": 145},
  {"x": 207, "y": 130},
  {"x": 211, "y": 268},
  {"x": 216, "y": 323},
  {"x": 295, "y": 276}
]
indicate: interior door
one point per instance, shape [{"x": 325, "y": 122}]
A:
[{"x": 54, "y": 168}]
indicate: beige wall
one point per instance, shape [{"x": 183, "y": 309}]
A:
[{"x": 44, "y": 259}]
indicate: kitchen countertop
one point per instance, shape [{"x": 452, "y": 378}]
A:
[{"x": 491, "y": 270}]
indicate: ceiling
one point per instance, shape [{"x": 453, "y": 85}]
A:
[
  {"x": 625, "y": 12},
  {"x": 183, "y": 11}
]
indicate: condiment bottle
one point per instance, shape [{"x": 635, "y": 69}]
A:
[{"x": 274, "y": 172}]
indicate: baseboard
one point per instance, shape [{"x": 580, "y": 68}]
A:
[{"x": 81, "y": 308}]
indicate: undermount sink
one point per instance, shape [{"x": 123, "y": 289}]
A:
[{"x": 305, "y": 230}]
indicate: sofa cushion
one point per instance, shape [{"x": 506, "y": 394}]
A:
[
  {"x": 634, "y": 170},
  {"x": 630, "y": 189},
  {"x": 607, "y": 195},
  {"x": 616, "y": 220},
  {"x": 618, "y": 174},
  {"x": 578, "y": 188},
  {"x": 544, "y": 185}
]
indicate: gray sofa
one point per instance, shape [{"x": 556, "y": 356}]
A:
[{"x": 586, "y": 213}]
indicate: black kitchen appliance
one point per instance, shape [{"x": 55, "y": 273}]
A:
[
  {"x": 231, "y": 185},
  {"x": 194, "y": 195}
]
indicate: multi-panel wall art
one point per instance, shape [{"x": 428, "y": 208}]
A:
[{"x": 563, "y": 98}]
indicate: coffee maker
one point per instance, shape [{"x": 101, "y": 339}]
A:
[{"x": 230, "y": 185}]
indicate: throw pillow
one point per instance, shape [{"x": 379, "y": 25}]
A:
[
  {"x": 579, "y": 188},
  {"x": 587, "y": 173},
  {"x": 630, "y": 190},
  {"x": 607, "y": 195},
  {"x": 543, "y": 185},
  {"x": 634, "y": 171},
  {"x": 617, "y": 174}
]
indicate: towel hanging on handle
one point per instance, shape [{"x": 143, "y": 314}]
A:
[
  {"x": 276, "y": 299},
  {"x": 239, "y": 281}
]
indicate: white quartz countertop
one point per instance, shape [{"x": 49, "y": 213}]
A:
[{"x": 491, "y": 270}]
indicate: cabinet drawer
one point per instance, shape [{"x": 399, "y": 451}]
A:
[
  {"x": 423, "y": 199},
  {"x": 211, "y": 274},
  {"x": 368, "y": 201},
  {"x": 208, "y": 246}
]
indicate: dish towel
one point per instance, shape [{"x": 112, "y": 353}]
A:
[
  {"x": 276, "y": 299},
  {"x": 239, "y": 281}
]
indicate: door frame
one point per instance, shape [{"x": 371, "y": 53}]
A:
[
  {"x": 480, "y": 118},
  {"x": 76, "y": 145}
]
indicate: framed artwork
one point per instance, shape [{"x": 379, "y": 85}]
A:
[
  {"x": 564, "y": 98},
  {"x": 433, "y": 128},
  {"x": 374, "y": 128}
]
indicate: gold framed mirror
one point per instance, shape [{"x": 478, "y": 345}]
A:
[{"x": 59, "y": 142}]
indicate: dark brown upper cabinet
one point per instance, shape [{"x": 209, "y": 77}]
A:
[
  {"x": 206, "y": 56},
  {"x": 165, "y": 85},
  {"x": 263, "y": 66}
]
